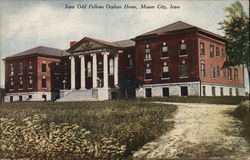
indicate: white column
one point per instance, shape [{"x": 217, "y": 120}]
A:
[
  {"x": 82, "y": 72},
  {"x": 94, "y": 71},
  {"x": 72, "y": 58},
  {"x": 116, "y": 70},
  {"x": 105, "y": 69}
]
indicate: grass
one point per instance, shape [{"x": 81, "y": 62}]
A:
[
  {"x": 132, "y": 123},
  {"x": 235, "y": 100},
  {"x": 242, "y": 112}
]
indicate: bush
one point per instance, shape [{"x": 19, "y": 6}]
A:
[
  {"x": 114, "y": 129},
  {"x": 242, "y": 112}
]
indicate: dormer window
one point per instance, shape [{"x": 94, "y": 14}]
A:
[
  {"x": 147, "y": 52},
  {"x": 164, "y": 50},
  {"x": 183, "y": 49}
]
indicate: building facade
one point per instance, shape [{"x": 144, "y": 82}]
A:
[{"x": 176, "y": 60}]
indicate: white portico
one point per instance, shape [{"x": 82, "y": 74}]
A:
[{"x": 95, "y": 53}]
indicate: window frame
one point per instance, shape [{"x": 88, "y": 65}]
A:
[
  {"x": 183, "y": 52},
  {"x": 202, "y": 48},
  {"x": 211, "y": 49}
]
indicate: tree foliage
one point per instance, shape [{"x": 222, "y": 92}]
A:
[
  {"x": 128, "y": 85},
  {"x": 236, "y": 29}
]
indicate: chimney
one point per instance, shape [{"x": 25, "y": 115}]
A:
[{"x": 73, "y": 43}]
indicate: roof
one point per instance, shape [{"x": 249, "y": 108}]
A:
[
  {"x": 116, "y": 44},
  {"x": 125, "y": 43},
  {"x": 176, "y": 26},
  {"x": 41, "y": 50},
  {"x": 179, "y": 25}
]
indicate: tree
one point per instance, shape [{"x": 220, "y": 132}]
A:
[
  {"x": 128, "y": 85},
  {"x": 236, "y": 29}
]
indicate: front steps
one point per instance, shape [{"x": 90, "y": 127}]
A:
[{"x": 76, "y": 95}]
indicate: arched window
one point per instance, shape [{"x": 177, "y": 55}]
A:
[
  {"x": 20, "y": 83},
  {"x": 183, "y": 69},
  {"x": 183, "y": 49},
  {"x": 30, "y": 82},
  {"x": 11, "y": 69},
  {"x": 89, "y": 72},
  {"x": 165, "y": 70},
  {"x": 212, "y": 71},
  {"x": 164, "y": 49},
  {"x": 148, "y": 73},
  {"x": 203, "y": 69},
  {"x": 111, "y": 66},
  {"x": 21, "y": 68},
  {"x": 30, "y": 69}
]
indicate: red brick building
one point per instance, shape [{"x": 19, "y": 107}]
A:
[{"x": 176, "y": 60}]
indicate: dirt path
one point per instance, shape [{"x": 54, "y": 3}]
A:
[{"x": 201, "y": 130}]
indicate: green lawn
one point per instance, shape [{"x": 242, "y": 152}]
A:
[{"x": 80, "y": 130}]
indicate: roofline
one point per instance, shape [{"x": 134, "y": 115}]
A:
[
  {"x": 202, "y": 31},
  {"x": 30, "y": 55}
]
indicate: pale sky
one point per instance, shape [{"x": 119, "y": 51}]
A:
[{"x": 25, "y": 24}]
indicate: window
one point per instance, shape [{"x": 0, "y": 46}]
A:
[
  {"x": 183, "y": 50},
  {"x": 165, "y": 70},
  {"x": 11, "y": 98},
  {"x": 43, "y": 67},
  {"x": 165, "y": 92},
  {"x": 213, "y": 91},
  {"x": 11, "y": 83},
  {"x": 130, "y": 61},
  {"x": 20, "y": 83},
  {"x": 236, "y": 74},
  {"x": 44, "y": 97},
  {"x": 164, "y": 50},
  {"x": 30, "y": 69},
  {"x": 44, "y": 82},
  {"x": 211, "y": 50},
  {"x": 184, "y": 91},
  {"x": 148, "y": 92},
  {"x": 100, "y": 66},
  {"x": 229, "y": 74},
  {"x": 183, "y": 69},
  {"x": 89, "y": 72},
  {"x": 223, "y": 52},
  {"x": 221, "y": 91},
  {"x": 20, "y": 68},
  {"x": 224, "y": 72},
  {"x": 147, "y": 52},
  {"x": 30, "y": 96},
  {"x": 218, "y": 71},
  {"x": 217, "y": 51},
  {"x": 204, "y": 90},
  {"x": 202, "y": 48},
  {"x": 11, "y": 69},
  {"x": 56, "y": 82},
  {"x": 148, "y": 73},
  {"x": 65, "y": 68},
  {"x": 57, "y": 67},
  {"x": 230, "y": 91},
  {"x": 212, "y": 71},
  {"x": 237, "y": 92},
  {"x": 30, "y": 85},
  {"x": 203, "y": 69},
  {"x": 20, "y": 98},
  {"x": 111, "y": 66}
]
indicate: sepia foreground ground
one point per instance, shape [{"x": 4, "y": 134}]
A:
[{"x": 201, "y": 130}]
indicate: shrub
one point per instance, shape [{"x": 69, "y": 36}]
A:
[{"x": 242, "y": 112}]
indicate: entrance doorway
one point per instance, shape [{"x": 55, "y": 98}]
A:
[{"x": 184, "y": 91}]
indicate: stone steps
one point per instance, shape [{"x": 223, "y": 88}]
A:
[{"x": 77, "y": 95}]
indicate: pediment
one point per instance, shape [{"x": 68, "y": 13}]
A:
[{"x": 88, "y": 44}]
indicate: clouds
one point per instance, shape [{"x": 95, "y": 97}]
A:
[{"x": 27, "y": 24}]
